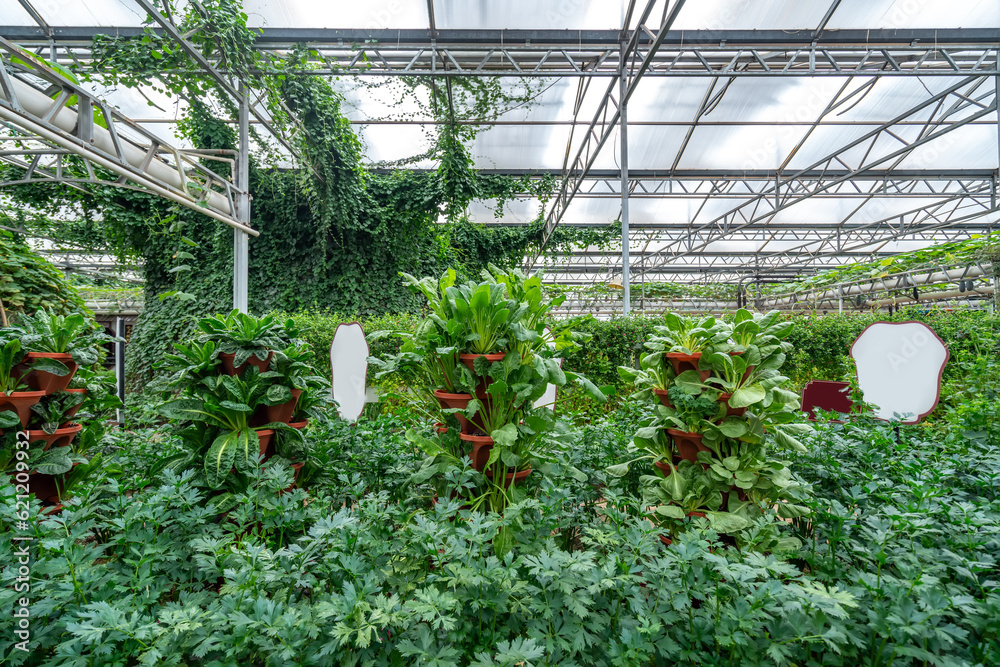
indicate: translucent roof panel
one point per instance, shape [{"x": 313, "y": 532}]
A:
[
  {"x": 100, "y": 13},
  {"x": 370, "y": 15},
  {"x": 530, "y": 14},
  {"x": 751, "y": 15},
  {"x": 888, "y": 14},
  {"x": 12, "y": 13}
]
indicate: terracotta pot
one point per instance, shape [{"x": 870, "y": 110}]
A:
[
  {"x": 460, "y": 401},
  {"x": 266, "y": 436},
  {"x": 515, "y": 478},
  {"x": 20, "y": 402},
  {"x": 72, "y": 411},
  {"x": 440, "y": 428},
  {"x": 469, "y": 360},
  {"x": 686, "y": 362},
  {"x": 299, "y": 425},
  {"x": 731, "y": 412},
  {"x": 662, "y": 467},
  {"x": 229, "y": 369},
  {"x": 50, "y": 383},
  {"x": 482, "y": 445},
  {"x": 296, "y": 468},
  {"x": 688, "y": 444},
  {"x": 662, "y": 395},
  {"x": 282, "y": 412},
  {"x": 61, "y": 438}
]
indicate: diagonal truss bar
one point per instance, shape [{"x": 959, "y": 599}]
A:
[
  {"x": 609, "y": 112},
  {"x": 762, "y": 208},
  {"x": 83, "y": 144}
]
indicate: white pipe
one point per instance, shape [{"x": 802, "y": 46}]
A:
[
  {"x": 892, "y": 283},
  {"x": 38, "y": 104},
  {"x": 932, "y": 296}
]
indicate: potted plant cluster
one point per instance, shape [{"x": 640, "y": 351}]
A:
[
  {"x": 720, "y": 410},
  {"x": 235, "y": 392},
  {"x": 49, "y": 420},
  {"x": 477, "y": 364}
]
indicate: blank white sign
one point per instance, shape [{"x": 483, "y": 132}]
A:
[
  {"x": 548, "y": 399},
  {"x": 899, "y": 369},
  {"x": 349, "y": 360}
]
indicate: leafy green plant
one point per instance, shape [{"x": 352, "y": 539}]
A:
[
  {"x": 74, "y": 334},
  {"x": 687, "y": 335},
  {"x": 50, "y": 412},
  {"x": 223, "y": 410},
  {"x": 10, "y": 356},
  {"x": 246, "y": 336},
  {"x": 484, "y": 309}
]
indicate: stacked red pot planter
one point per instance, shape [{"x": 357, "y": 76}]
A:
[
  {"x": 473, "y": 431},
  {"x": 44, "y": 384}
]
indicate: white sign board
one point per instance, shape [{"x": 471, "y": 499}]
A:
[
  {"x": 349, "y": 360},
  {"x": 899, "y": 369},
  {"x": 548, "y": 399}
]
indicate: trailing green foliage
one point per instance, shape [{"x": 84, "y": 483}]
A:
[{"x": 28, "y": 282}]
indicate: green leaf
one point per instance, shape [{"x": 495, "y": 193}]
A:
[
  {"x": 619, "y": 470},
  {"x": 220, "y": 458},
  {"x": 747, "y": 396},
  {"x": 505, "y": 436}
]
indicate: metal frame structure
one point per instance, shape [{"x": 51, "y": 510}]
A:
[
  {"x": 57, "y": 132},
  {"x": 941, "y": 204}
]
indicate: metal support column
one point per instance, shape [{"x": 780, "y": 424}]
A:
[
  {"x": 241, "y": 241},
  {"x": 623, "y": 124},
  {"x": 120, "y": 366}
]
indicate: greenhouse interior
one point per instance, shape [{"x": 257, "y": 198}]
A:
[{"x": 501, "y": 333}]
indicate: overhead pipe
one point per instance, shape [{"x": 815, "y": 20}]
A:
[
  {"x": 66, "y": 119},
  {"x": 900, "y": 282}
]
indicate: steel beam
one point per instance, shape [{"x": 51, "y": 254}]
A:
[{"x": 582, "y": 53}]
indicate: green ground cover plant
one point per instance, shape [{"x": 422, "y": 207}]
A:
[{"x": 898, "y": 567}]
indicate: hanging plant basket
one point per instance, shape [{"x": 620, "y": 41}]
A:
[
  {"x": 62, "y": 437},
  {"x": 76, "y": 408},
  {"x": 266, "y": 436},
  {"x": 514, "y": 478},
  {"x": 470, "y": 361},
  {"x": 20, "y": 402},
  {"x": 229, "y": 369},
  {"x": 50, "y": 383},
  {"x": 663, "y": 467},
  {"x": 686, "y": 362},
  {"x": 282, "y": 413}
]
